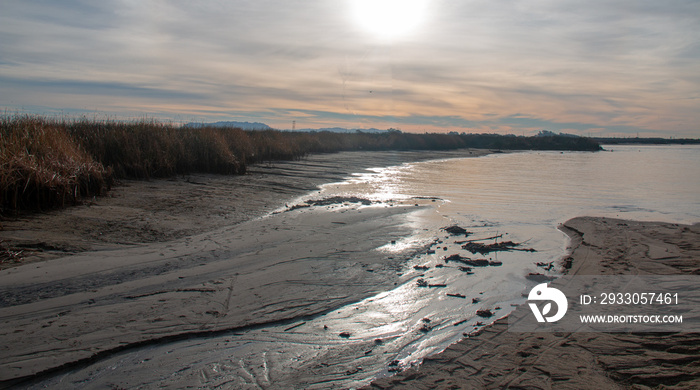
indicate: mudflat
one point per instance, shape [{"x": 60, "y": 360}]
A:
[
  {"x": 169, "y": 259},
  {"x": 495, "y": 358}
]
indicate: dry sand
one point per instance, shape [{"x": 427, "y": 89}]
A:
[
  {"x": 495, "y": 358},
  {"x": 163, "y": 260}
]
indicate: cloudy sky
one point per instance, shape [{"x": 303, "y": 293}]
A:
[{"x": 610, "y": 67}]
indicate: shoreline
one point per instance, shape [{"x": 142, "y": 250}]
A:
[
  {"x": 142, "y": 212},
  {"x": 112, "y": 293},
  {"x": 222, "y": 274},
  {"x": 495, "y": 358}
]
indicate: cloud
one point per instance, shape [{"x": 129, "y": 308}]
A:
[{"x": 599, "y": 64}]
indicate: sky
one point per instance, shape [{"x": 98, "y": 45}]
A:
[{"x": 600, "y": 68}]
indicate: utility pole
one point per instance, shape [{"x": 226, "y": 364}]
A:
[{"x": 294, "y": 125}]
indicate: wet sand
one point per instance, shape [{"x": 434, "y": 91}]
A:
[
  {"x": 145, "y": 212},
  {"x": 494, "y": 358},
  {"x": 169, "y": 260},
  {"x": 166, "y": 260}
]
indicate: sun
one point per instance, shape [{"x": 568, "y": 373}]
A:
[{"x": 389, "y": 19}]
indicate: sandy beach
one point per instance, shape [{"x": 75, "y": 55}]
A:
[{"x": 167, "y": 260}]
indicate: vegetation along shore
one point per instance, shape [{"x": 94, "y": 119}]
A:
[{"x": 48, "y": 163}]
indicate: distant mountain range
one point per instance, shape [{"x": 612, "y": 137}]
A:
[
  {"x": 240, "y": 125},
  {"x": 262, "y": 126},
  {"x": 343, "y": 130}
]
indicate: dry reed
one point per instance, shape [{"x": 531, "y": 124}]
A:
[{"x": 47, "y": 163}]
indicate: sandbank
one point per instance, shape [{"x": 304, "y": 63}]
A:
[{"x": 495, "y": 358}]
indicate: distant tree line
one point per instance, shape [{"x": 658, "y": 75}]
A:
[
  {"x": 47, "y": 163},
  {"x": 647, "y": 141}
]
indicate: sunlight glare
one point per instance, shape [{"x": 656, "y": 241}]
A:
[{"x": 389, "y": 19}]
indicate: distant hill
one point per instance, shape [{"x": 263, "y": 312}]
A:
[
  {"x": 343, "y": 130},
  {"x": 240, "y": 125},
  {"x": 262, "y": 126}
]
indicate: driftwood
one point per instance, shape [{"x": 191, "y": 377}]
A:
[
  {"x": 471, "y": 262},
  {"x": 456, "y": 295},
  {"x": 480, "y": 239},
  {"x": 295, "y": 326},
  {"x": 475, "y": 247},
  {"x": 455, "y": 257}
]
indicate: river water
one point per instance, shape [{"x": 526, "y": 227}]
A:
[{"x": 519, "y": 197}]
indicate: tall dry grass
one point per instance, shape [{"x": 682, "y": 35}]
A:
[
  {"x": 42, "y": 167},
  {"x": 47, "y": 163}
]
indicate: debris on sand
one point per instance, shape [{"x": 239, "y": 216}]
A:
[
  {"x": 425, "y": 328},
  {"x": 471, "y": 262},
  {"x": 539, "y": 278},
  {"x": 455, "y": 257},
  {"x": 437, "y": 285},
  {"x": 295, "y": 326},
  {"x": 456, "y": 295},
  {"x": 476, "y": 247},
  {"x": 345, "y": 335},
  {"x": 546, "y": 266},
  {"x": 478, "y": 263},
  {"x": 485, "y": 313},
  {"x": 331, "y": 201},
  {"x": 421, "y": 282},
  {"x": 421, "y": 267},
  {"x": 456, "y": 230}
]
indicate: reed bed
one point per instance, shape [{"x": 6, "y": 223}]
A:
[
  {"x": 47, "y": 163},
  {"x": 41, "y": 166}
]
